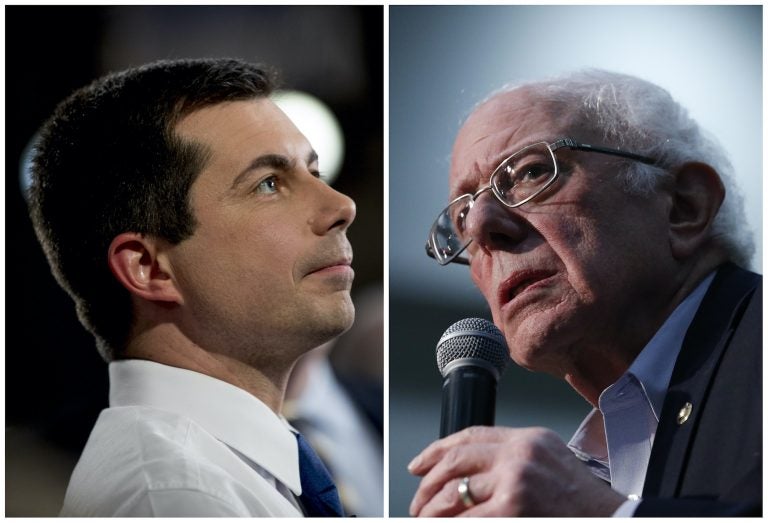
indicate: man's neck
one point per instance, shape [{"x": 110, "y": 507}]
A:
[
  {"x": 165, "y": 344},
  {"x": 594, "y": 368}
]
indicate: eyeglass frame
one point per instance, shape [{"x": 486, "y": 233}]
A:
[{"x": 557, "y": 144}]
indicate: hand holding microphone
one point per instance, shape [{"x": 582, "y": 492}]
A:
[{"x": 495, "y": 471}]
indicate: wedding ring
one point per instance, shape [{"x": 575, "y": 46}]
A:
[{"x": 464, "y": 493}]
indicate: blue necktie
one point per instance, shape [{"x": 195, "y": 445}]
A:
[{"x": 319, "y": 496}]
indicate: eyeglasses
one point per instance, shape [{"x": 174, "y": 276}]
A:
[{"x": 517, "y": 180}]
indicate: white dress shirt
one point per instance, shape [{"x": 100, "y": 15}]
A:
[
  {"x": 615, "y": 440},
  {"x": 178, "y": 443}
]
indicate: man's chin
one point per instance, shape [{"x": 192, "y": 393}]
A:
[
  {"x": 532, "y": 347},
  {"x": 336, "y": 320}
]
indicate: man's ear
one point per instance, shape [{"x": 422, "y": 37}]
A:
[
  {"x": 697, "y": 193},
  {"x": 136, "y": 263}
]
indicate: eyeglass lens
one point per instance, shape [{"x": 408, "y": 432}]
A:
[
  {"x": 448, "y": 238},
  {"x": 518, "y": 179}
]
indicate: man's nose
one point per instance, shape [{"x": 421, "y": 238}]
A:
[
  {"x": 334, "y": 210},
  {"x": 493, "y": 226}
]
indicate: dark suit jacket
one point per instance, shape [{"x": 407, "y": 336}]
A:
[{"x": 711, "y": 462}]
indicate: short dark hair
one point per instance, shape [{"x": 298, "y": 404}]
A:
[{"x": 108, "y": 161}]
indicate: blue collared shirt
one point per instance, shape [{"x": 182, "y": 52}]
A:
[{"x": 614, "y": 446}]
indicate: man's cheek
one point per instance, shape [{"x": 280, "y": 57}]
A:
[
  {"x": 486, "y": 289},
  {"x": 479, "y": 271}
]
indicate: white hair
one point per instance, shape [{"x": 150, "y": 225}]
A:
[{"x": 640, "y": 117}]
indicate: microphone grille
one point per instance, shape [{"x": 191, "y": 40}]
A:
[{"x": 474, "y": 338}]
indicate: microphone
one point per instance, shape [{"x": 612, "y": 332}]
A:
[{"x": 471, "y": 356}]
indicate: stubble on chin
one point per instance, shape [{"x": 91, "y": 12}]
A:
[{"x": 331, "y": 320}]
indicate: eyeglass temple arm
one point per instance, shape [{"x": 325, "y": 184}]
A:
[
  {"x": 457, "y": 259},
  {"x": 572, "y": 144}
]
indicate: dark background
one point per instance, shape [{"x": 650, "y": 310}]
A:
[{"x": 56, "y": 383}]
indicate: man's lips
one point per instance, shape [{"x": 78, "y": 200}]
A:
[
  {"x": 341, "y": 264},
  {"x": 516, "y": 284}
]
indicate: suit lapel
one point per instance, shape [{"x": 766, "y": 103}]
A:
[{"x": 702, "y": 349}]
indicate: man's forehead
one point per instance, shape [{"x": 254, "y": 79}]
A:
[
  {"x": 496, "y": 128},
  {"x": 242, "y": 136},
  {"x": 249, "y": 127},
  {"x": 514, "y": 112},
  {"x": 230, "y": 115}
]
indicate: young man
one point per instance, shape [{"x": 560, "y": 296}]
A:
[
  {"x": 185, "y": 215},
  {"x": 592, "y": 212}
]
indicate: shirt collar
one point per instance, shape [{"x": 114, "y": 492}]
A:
[
  {"x": 652, "y": 368},
  {"x": 230, "y": 414},
  {"x": 589, "y": 440},
  {"x": 654, "y": 365}
]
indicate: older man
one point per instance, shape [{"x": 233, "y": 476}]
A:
[
  {"x": 185, "y": 215},
  {"x": 592, "y": 212}
]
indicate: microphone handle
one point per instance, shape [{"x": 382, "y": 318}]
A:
[{"x": 469, "y": 398}]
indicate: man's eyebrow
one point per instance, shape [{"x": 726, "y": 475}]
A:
[{"x": 274, "y": 161}]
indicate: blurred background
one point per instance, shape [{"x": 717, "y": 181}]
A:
[
  {"x": 445, "y": 59},
  {"x": 56, "y": 383}
]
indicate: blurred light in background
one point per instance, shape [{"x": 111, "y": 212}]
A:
[{"x": 318, "y": 123}]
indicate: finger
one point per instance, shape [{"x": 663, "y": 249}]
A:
[
  {"x": 456, "y": 463},
  {"x": 484, "y": 510},
  {"x": 422, "y": 463},
  {"x": 444, "y": 503},
  {"x": 449, "y": 502},
  {"x": 491, "y": 499}
]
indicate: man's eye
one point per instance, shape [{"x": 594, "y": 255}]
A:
[
  {"x": 266, "y": 186},
  {"x": 534, "y": 173},
  {"x": 537, "y": 171},
  {"x": 460, "y": 220}
]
